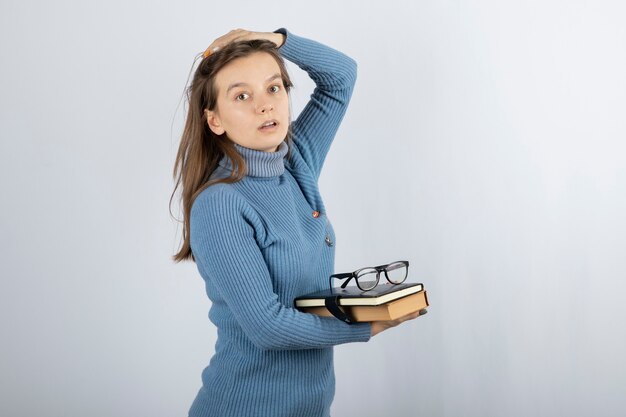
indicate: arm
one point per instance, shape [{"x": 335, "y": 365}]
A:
[
  {"x": 224, "y": 247},
  {"x": 334, "y": 74}
]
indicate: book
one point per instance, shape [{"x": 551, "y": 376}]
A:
[
  {"x": 353, "y": 296},
  {"x": 387, "y": 311}
]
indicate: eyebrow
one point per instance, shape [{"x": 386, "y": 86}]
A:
[{"x": 235, "y": 85}]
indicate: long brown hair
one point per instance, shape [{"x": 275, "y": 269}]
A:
[{"x": 200, "y": 149}]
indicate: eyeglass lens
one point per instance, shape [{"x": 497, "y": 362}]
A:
[
  {"x": 367, "y": 279},
  {"x": 396, "y": 272}
]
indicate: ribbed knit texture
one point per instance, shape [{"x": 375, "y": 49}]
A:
[{"x": 258, "y": 245}]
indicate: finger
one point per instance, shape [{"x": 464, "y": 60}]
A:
[
  {"x": 410, "y": 316},
  {"x": 229, "y": 37},
  {"x": 210, "y": 50},
  {"x": 224, "y": 40},
  {"x": 216, "y": 44}
]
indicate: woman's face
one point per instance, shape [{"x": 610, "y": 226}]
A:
[{"x": 250, "y": 94}]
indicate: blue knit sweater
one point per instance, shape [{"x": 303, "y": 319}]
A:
[{"x": 258, "y": 245}]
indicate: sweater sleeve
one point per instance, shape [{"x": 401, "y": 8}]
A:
[
  {"x": 334, "y": 74},
  {"x": 225, "y": 249}
]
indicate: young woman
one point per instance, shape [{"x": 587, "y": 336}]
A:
[{"x": 256, "y": 226}]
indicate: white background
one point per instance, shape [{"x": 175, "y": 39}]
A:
[{"x": 484, "y": 143}]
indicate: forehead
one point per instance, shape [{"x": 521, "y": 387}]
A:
[{"x": 252, "y": 69}]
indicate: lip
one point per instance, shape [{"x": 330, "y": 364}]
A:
[{"x": 267, "y": 121}]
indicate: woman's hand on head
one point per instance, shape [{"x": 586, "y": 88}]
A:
[
  {"x": 379, "y": 326},
  {"x": 242, "y": 35}
]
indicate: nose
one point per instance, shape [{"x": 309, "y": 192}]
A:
[{"x": 265, "y": 108}]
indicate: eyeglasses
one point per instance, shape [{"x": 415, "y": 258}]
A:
[{"x": 367, "y": 278}]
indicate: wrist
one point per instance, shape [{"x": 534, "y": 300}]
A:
[{"x": 278, "y": 39}]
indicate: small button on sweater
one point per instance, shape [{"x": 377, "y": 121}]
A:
[{"x": 261, "y": 242}]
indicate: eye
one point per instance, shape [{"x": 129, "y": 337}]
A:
[
  {"x": 275, "y": 88},
  {"x": 239, "y": 97}
]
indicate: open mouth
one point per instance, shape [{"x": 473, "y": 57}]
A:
[{"x": 269, "y": 125}]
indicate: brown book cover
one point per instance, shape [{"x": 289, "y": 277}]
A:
[{"x": 388, "y": 311}]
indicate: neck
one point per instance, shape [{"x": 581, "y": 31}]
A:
[{"x": 260, "y": 163}]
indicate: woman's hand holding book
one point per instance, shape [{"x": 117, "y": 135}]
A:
[{"x": 379, "y": 326}]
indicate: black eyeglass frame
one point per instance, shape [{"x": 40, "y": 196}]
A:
[{"x": 379, "y": 269}]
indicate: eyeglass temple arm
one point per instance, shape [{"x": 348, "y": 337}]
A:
[
  {"x": 341, "y": 276},
  {"x": 345, "y": 284}
]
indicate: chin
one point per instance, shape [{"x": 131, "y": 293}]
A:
[
  {"x": 271, "y": 144},
  {"x": 275, "y": 147}
]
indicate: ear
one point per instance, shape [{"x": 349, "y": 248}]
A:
[{"x": 213, "y": 120}]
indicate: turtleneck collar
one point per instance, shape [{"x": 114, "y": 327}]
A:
[{"x": 260, "y": 163}]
